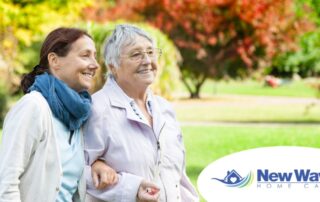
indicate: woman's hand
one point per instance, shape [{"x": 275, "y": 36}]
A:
[
  {"x": 103, "y": 175},
  {"x": 148, "y": 192}
]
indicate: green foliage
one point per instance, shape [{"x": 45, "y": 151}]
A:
[
  {"x": 31, "y": 19},
  {"x": 3, "y": 103},
  {"x": 309, "y": 8},
  {"x": 25, "y": 22},
  {"x": 305, "y": 61},
  {"x": 168, "y": 73}
]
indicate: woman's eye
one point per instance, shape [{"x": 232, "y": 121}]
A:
[
  {"x": 85, "y": 54},
  {"x": 134, "y": 55}
]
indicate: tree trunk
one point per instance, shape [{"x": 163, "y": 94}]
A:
[
  {"x": 194, "y": 86},
  {"x": 195, "y": 95}
]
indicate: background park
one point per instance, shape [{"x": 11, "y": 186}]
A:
[{"x": 241, "y": 74}]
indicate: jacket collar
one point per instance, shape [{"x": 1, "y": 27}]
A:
[
  {"x": 157, "y": 115},
  {"x": 118, "y": 98}
]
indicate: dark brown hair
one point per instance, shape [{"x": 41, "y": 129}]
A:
[{"x": 58, "y": 41}]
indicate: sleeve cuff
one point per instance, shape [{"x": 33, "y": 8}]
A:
[
  {"x": 130, "y": 186},
  {"x": 124, "y": 191}
]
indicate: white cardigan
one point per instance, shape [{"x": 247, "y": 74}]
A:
[{"x": 30, "y": 167}]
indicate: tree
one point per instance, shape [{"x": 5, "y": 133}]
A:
[
  {"x": 306, "y": 60},
  {"x": 218, "y": 38},
  {"x": 24, "y": 22}
]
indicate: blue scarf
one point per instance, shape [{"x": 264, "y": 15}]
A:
[{"x": 70, "y": 107}]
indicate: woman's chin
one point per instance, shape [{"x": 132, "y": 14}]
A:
[
  {"x": 84, "y": 87},
  {"x": 148, "y": 81},
  {"x": 147, "y": 78}
]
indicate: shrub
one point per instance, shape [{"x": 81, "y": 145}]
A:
[{"x": 3, "y": 103}]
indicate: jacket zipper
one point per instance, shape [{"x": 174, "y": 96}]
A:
[{"x": 158, "y": 162}]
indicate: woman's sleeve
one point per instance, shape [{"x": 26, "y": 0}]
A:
[
  {"x": 96, "y": 146},
  {"x": 21, "y": 133},
  {"x": 187, "y": 190},
  {"x": 125, "y": 190}
]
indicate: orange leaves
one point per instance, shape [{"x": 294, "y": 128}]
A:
[
  {"x": 212, "y": 40},
  {"x": 200, "y": 37},
  {"x": 219, "y": 2},
  {"x": 236, "y": 26},
  {"x": 246, "y": 50},
  {"x": 181, "y": 43}
]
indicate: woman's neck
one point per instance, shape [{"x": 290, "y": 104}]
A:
[
  {"x": 135, "y": 92},
  {"x": 139, "y": 94}
]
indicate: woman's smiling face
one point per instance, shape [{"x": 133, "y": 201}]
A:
[
  {"x": 136, "y": 68},
  {"x": 78, "y": 67}
]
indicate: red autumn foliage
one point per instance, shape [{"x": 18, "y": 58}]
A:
[{"x": 223, "y": 32}]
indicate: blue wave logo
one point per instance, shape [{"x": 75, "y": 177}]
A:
[{"x": 233, "y": 179}]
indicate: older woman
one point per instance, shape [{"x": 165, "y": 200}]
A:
[{"x": 134, "y": 131}]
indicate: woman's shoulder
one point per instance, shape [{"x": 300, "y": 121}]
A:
[
  {"x": 162, "y": 100},
  {"x": 33, "y": 101},
  {"x": 163, "y": 103},
  {"x": 100, "y": 99},
  {"x": 33, "y": 98},
  {"x": 28, "y": 116}
]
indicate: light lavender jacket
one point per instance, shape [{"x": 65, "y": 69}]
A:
[{"x": 128, "y": 144}]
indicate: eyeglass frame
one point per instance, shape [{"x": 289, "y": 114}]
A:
[{"x": 158, "y": 52}]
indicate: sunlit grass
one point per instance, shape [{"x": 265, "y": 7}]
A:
[
  {"x": 248, "y": 110},
  {"x": 250, "y": 87}
]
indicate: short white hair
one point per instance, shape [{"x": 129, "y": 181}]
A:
[{"x": 123, "y": 35}]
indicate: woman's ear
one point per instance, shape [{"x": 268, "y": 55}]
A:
[
  {"x": 53, "y": 61},
  {"x": 113, "y": 70}
]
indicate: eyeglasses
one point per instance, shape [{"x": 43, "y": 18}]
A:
[{"x": 137, "y": 56}]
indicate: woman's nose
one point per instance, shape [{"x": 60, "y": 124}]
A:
[
  {"x": 146, "y": 59},
  {"x": 94, "y": 64}
]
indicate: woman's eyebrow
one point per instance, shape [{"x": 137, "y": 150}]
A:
[
  {"x": 87, "y": 51},
  {"x": 140, "y": 48},
  {"x": 135, "y": 49}
]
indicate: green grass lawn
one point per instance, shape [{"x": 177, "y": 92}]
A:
[
  {"x": 250, "y": 87},
  {"x": 204, "y": 144},
  {"x": 246, "y": 110}
]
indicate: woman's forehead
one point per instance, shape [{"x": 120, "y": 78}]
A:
[
  {"x": 137, "y": 42},
  {"x": 83, "y": 43}
]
